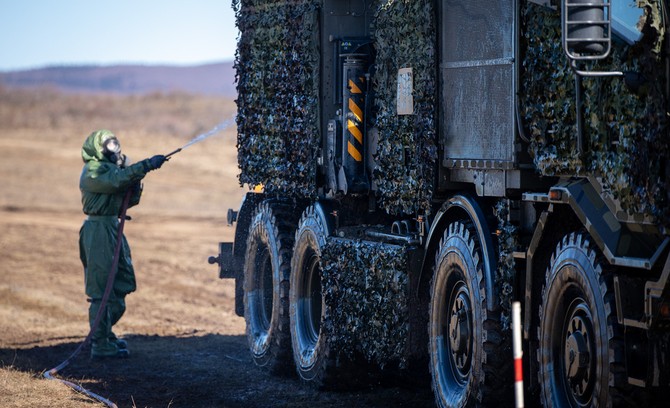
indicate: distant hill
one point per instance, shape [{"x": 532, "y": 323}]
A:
[{"x": 209, "y": 79}]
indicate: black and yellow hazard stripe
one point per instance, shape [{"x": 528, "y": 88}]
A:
[{"x": 355, "y": 119}]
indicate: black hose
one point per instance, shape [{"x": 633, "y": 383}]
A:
[{"x": 103, "y": 304}]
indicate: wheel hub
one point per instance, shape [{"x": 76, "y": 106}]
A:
[
  {"x": 460, "y": 332},
  {"x": 262, "y": 303},
  {"x": 578, "y": 354},
  {"x": 308, "y": 308}
]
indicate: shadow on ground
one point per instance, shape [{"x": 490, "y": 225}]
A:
[{"x": 200, "y": 371}]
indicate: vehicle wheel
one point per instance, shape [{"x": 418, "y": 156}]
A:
[
  {"x": 470, "y": 358},
  {"x": 266, "y": 286},
  {"x": 310, "y": 346},
  {"x": 581, "y": 347}
]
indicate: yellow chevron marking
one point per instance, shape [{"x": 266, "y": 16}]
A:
[
  {"x": 354, "y": 152},
  {"x": 354, "y": 88},
  {"x": 354, "y": 130},
  {"x": 355, "y": 110}
]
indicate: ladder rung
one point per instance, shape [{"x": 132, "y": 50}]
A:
[
  {"x": 602, "y": 40},
  {"x": 592, "y": 4},
  {"x": 600, "y": 22}
]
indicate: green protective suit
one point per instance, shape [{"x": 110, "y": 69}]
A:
[{"x": 103, "y": 185}]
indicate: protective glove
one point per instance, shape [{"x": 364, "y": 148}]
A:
[{"x": 156, "y": 162}]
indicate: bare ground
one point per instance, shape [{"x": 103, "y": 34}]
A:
[{"x": 188, "y": 348}]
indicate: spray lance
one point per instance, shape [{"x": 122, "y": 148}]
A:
[{"x": 167, "y": 156}]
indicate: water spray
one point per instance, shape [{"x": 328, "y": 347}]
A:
[{"x": 216, "y": 129}]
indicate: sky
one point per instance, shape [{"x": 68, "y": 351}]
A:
[{"x": 39, "y": 33}]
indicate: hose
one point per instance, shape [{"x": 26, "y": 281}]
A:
[{"x": 103, "y": 304}]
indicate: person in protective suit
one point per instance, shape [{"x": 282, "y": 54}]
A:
[{"x": 104, "y": 181}]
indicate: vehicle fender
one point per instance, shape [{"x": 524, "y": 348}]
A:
[
  {"x": 324, "y": 209},
  {"x": 247, "y": 208},
  {"x": 461, "y": 207}
]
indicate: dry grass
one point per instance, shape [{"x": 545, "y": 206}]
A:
[{"x": 19, "y": 389}]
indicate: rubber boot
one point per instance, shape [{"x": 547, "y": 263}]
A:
[
  {"x": 120, "y": 343},
  {"x": 107, "y": 349},
  {"x": 101, "y": 347},
  {"x": 116, "y": 307}
]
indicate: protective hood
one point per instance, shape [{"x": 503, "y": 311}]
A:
[{"x": 92, "y": 150}]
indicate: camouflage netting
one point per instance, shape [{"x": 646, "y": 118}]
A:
[
  {"x": 277, "y": 65},
  {"x": 406, "y": 152},
  {"x": 366, "y": 300},
  {"x": 507, "y": 244},
  {"x": 626, "y": 133}
]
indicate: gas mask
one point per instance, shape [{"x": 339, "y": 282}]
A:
[{"x": 111, "y": 148}]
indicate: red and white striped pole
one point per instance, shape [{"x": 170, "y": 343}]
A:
[{"x": 518, "y": 354}]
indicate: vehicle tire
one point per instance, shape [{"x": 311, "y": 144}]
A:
[
  {"x": 266, "y": 286},
  {"x": 470, "y": 357},
  {"x": 311, "y": 350},
  {"x": 581, "y": 350}
]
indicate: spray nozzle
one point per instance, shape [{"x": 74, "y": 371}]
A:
[{"x": 167, "y": 156}]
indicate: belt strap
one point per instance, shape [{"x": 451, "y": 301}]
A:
[{"x": 102, "y": 217}]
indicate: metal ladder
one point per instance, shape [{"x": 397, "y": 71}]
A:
[{"x": 587, "y": 25}]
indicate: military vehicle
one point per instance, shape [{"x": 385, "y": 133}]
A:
[{"x": 416, "y": 165}]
